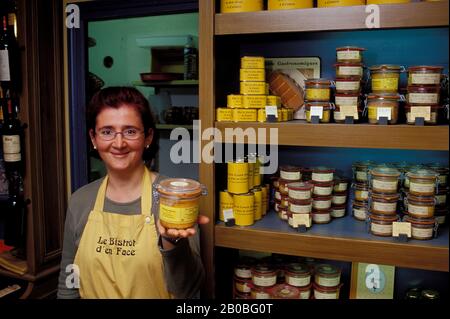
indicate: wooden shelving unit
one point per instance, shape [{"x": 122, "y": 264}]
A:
[{"x": 333, "y": 241}]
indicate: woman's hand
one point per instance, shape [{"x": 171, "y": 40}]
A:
[{"x": 181, "y": 233}]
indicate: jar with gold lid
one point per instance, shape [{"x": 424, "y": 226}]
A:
[
  {"x": 421, "y": 228},
  {"x": 360, "y": 210},
  {"x": 320, "y": 109},
  {"x": 383, "y": 105},
  {"x": 298, "y": 275},
  {"x": 424, "y": 75},
  {"x": 300, "y": 190},
  {"x": 326, "y": 275},
  {"x": 318, "y": 90},
  {"x": 384, "y": 204},
  {"x": 384, "y": 179},
  {"x": 322, "y": 174},
  {"x": 349, "y": 54},
  {"x": 381, "y": 225},
  {"x": 422, "y": 182},
  {"x": 385, "y": 78},
  {"x": 264, "y": 275},
  {"x": 420, "y": 206}
]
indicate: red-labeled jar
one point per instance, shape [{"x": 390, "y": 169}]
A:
[
  {"x": 349, "y": 54},
  {"x": 381, "y": 225},
  {"x": 263, "y": 275},
  {"x": 423, "y": 95},
  {"x": 338, "y": 211},
  {"x": 421, "y": 228},
  {"x": 424, "y": 75},
  {"x": 384, "y": 204},
  {"x": 322, "y": 174},
  {"x": 318, "y": 90},
  {"x": 297, "y": 206},
  {"x": 339, "y": 198},
  {"x": 360, "y": 210},
  {"x": 322, "y": 202},
  {"x": 323, "y": 188},
  {"x": 321, "y": 292},
  {"x": 300, "y": 190},
  {"x": 321, "y": 216},
  {"x": 349, "y": 69},
  {"x": 290, "y": 173},
  {"x": 421, "y": 206}
]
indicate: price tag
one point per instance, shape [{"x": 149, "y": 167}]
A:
[
  {"x": 317, "y": 111},
  {"x": 384, "y": 112},
  {"x": 349, "y": 110},
  {"x": 421, "y": 111},
  {"x": 301, "y": 219},
  {"x": 271, "y": 110},
  {"x": 401, "y": 228},
  {"x": 228, "y": 214}
]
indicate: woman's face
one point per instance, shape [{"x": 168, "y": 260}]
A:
[{"x": 120, "y": 152}]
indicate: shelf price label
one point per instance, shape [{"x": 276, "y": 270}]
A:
[
  {"x": 228, "y": 214},
  {"x": 317, "y": 111},
  {"x": 349, "y": 110},
  {"x": 384, "y": 112},
  {"x": 301, "y": 219},
  {"x": 401, "y": 228},
  {"x": 421, "y": 111},
  {"x": 271, "y": 110}
]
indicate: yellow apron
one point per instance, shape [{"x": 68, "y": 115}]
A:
[{"x": 118, "y": 255}]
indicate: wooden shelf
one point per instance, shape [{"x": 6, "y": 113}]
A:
[
  {"x": 409, "y": 15},
  {"x": 180, "y": 83},
  {"x": 343, "y": 239},
  {"x": 300, "y": 133}
]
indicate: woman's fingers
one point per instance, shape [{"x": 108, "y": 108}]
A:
[{"x": 202, "y": 219}]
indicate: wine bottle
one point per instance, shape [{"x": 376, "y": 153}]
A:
[
  {"x": 190, "y": 60},
  {"x": 10, "y": 69}
]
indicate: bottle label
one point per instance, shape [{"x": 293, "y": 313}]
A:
[
  {"x": 11, "y": 148},
  {"x": 4, "y": 66}
]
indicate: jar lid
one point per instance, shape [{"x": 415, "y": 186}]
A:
[
  {"x": 362, "y": 186},
  {"x": 433, "y": 68},
  {"x": 427, "y": 200},
  {"x": 319, "y": 81},
  {"x": 385, "y": 68},
  {"x": 263, "y": 269},
  {"x": 413, "y": 293},
  {"x": 420, "y": 221},
  {"x": 290, "y": 168},
  {"x": 284, "y": 291},
  {"x": 422, "y": 173},
  {"x": 350, "y": 48},
  {"x": 433, "y": 107},
  {"x": 327, "y": 269},
  {"x": 384, "y": 96},
  {"x": 349, "y": 79},
  {"x": 360, "y": 64},
  {"x": 430, "y": 294},
  {"x": 364, "y": 164},
  {"x": 325, "y": 105},
  {"x": 323, "y": 169},
  {"x": 360, "y": 203},
  {"x": 384, "y": 218},
  {"x": 326, "y": 289},
  {"x": 298, "y": 268},
  {"x": 300, "y": 186},
  {"x": 385, "y": 171},
  {"x": 424, "y": 88},
  {"x": 182, "y": 187}
]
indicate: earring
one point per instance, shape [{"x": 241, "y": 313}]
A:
[
  {"x": 95, "y": 147},
  {"x": 147, "y": 146}
]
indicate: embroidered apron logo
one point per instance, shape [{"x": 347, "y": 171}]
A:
[{"x": 115, "y": 246}]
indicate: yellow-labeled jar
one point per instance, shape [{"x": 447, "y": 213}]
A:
[
  {"x": 273, "y": 100},
  {"x": 297, "y": 275},
  {"x": 385, "y": 78},
  {"x": 423, "y": 94},
  {"x": 264, "y": 275},
  {"x": 244, "y": 209},
  {"x": 261, "y": 115},
  {"x": 424, "y": 75},
  {"x": 224, "y": 114},
  {"x": 178, "y": 202},
  {"x": 322, "y": 174},
  {"x": 429, "y": 113},
  {"x": 384, "y": 204},
  {"x": 349, "y": 54},
  {"x": 338, "y": 211},
  {"x": 383, "y": 105},
  {"x": 350, "y": 85},
  {"x": 420, "y": 206},
  {"x": 253, "y": 88},
  {"x": 422, "y": 182},
  {"x": 339, "y": 3},
  {"x": 244, "y": 115},
  {"x": 252, "y": 62},
  {"x": 326, "y": 275},
  {"x": 384, "y": 179},
  {"x": 234, "y": 6},
  {"x": 421, "y": 228},
  {"x": 362, "y": 192},
  {"x": 225, "y": 203},
  {"x": 258, "y": 75},
  {"x": 300, "y": 190},
  {"x": 381, "y": 225},
  {"x": 321, "y": 216},
  {"x": 360, "y": 210},
  {"x": 318, "y": 90},
  {"x": 320, "y": 109},
  {"x": 349, "y": 69},
  {"x": 234, "y": 100},
  {"x": 289, "y": 4},
  {"x": 254, "y": 101}
]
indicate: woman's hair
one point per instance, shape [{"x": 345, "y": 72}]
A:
[{"x": 115, "y": 97}]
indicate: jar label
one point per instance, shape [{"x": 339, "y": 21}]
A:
[
  {"x": 346, "y": 100},
  {"x": 350, "y": 70},
  {"x": 321, "y": 218},
  {"x": 420, "y": 111},
  {"x": 419, "y": 210},
  {"x": 384, "y": 207},
  {"x": 234, "y": 101},
  {"x": 324, "y": 191},
  {"x": 441, "y": 199},
  {"x": 336, "y": 213},
  {"x": 421, "y": 187},
  {"x": 442, "y": 179},
  {"x": 347, "y": 86},
  {"x": 296, "y": 194},
  {"x": 348, "y": 55},
  {"x": 302, "y": 209},
  {"x": 321, "y": 295},
  {"x": 243, "y": 273},
  {"x": 265, "y": 281},
  {"x": 322, "y": 177},
  {"x": 423, "y": 233},
  {"x": 290, "y": 176},
  {"x": 381, "y": 228},
  {"x": 423, "y": 98},
  {"x": 327, "y": 281},
  {"x": 321, "y": 204},
  {"x": 361, "y": 175},
  {"x": 178, "y": 215},
  {"x": 298, "y": 281},
  {"x": 384, "y": 185},
  {"x": 318, "y": 94},
  {"x": 305, "y": 294},
  {"x": 440, "y": 219},
  {"x": 342, "y": 187},
  {"x": 360, "y": 213},
  {"x": 260, "y": 295},
  {"x": 243, "y": 287},
  {"x": 385, "y": 84},
  {"x": 339, "y": 200},
  {"x": 420, "y": 78},
  {"x": 224, "y": 114},
  {"x": 362, "y": 195}
]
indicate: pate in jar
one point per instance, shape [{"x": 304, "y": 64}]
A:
[
  {"x": 422, "y": 182},
  {"x": 424, "y": 75},
  {"x": 300, "y": 190},
  {"x": 349, "y": 54},
  {"x": 440, "y": 214},
  {"x": 429, "y": 113},
  {"x": 340, "y": 184},
  {"x": 362, "y": 192},
  {"x": 385, "y": 78},
  {"x": 384, "y": 179},
  {"x": 298, "y": 206},
  {"x": 327, "y": 275},
  {"x": 318, "y": 90},
  {"x": 350, "y": 85},
  {"x": 360, "y": 210},
  {"x": 323, "y": 188},
  {"x": 349, "y": 69},
  {"x": 421, "y": 228},
  {"x": 283, "y": 291},
  {"x": 322, "y": 174},
  {"x": 423, "y": 95},
  {"x": 384, "y": 204},
  {"x": 341, "y": 112},
  {"x": 381, "y": 225},
  {"x": 321, "y": 202},
  {"x": 361, "y": 171},
  {"x": 338, "y": 211},
  {"x": 320, "y": 109},
  {"x": 420, "y": 206},
  {"x": 260, "y": 293},
  {"x": 321, "y": 216},
  {"x": 383, "y": 105},
  {"x": 298, "y": 275},
  {"x": 263, "y": 275},
  {"x": 442, "y": 172},
  {"x": 339, "y": 198},
  {"x": 290, "y": 173},
  {"x": 321, "y": 292}
]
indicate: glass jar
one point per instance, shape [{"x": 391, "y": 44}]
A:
[
  {"x": 300, "y": 190},
  {"x": 347, "y": 99},
  {"x": 442, "y": 171},
  {"x": 384, "y": 179},
  {"x": 338, "y": 211},
  {"x": 326, "y": 275},
  {"x": 321, "y": 109},
  {"x": 298, "y": 275},
  {"x": 384, "y": 204},
  {"x": 282, "y": 186},
  {"x": 340, "y": 184},
  {"x": 422, "y": 182},
  {"x": 421, "y": 228},
  {"x": 360, "y": 210},
  {"x": 181, "y": 195},
  {"x": 440, "y": 213},
  {"x": 350, "y": 85},
  {"x": 423, "y": 94},
  {"x": 326, "y": 292},
  {"x": 290, "y": 173},
  {"x": 441, "y": 196},
  {"x": 321, "y": 203},
  {"x": 429, "y": 113},
  {"x": 385, "y": 78},
  {"x": 424, "y": 75},
  {"x": 361, "y": 171},
  {"x": 349, "y": 70},
  {"x": 263, "y": 275},
  {"x": 306, "y": 174},
  {"x": 322, "y": 174},
  {"x": 383, "y": 105},
  {"x": 283, "y": 291},
  {"x": 323, "y": 189},
  {"x": 242, "y": 285},
  {"x": 305, "y": 292},
  {"x": 381, "y": 225},
  {"x": 260, "y": 293},
  {"x": 339, "y": 198},
  {"x": 318, "y": 90},
  {"x": 244, "y": 268},
  {"x": 349, "y": 54},
  {"x": 297, "y": 206},
  {"x": 342, "y": 111},
  {"x": 362, "y": 192},
  {"x": 420, "y": 206},
  {"x": 321, "y": 216}
]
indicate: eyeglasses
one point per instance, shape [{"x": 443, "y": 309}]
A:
[{"x": 108, "y": 134}]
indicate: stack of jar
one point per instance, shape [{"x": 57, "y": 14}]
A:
[
  {"x": 348, "y": 83},
  {"x": 323, "y": 181},
  {"x": 441, "y": 197},
  {"x": 288, "y": 174},
  {"x": 423, "y": 98},
  {"x": 339, "y": 201},
  {"x": 317, "y": 99},
  {"x": 384, "y": 100},
  {"x": 327, "y": 282},
  {"x": 360, "y": 205},
  {"x": 246, "y": 196}
]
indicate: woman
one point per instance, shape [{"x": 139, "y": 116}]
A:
[{"x": 114, "y": 245}]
